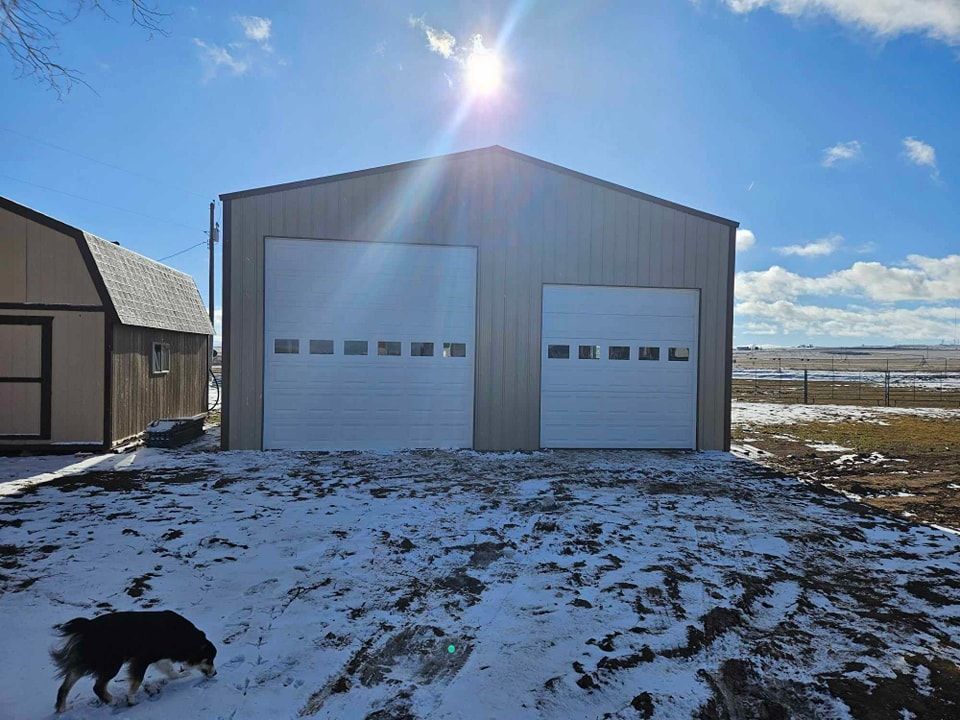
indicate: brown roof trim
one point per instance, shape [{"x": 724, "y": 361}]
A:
[{"x": 493, "y": 148}]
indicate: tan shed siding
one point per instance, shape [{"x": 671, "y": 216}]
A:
[
  {"x": 532, "y": 226},
  {"x": 13, "y": 257},
  {"x": 41, "y": 265},
  {"x": 140, "y": 397},
  {"x": 76, "y": 402}
]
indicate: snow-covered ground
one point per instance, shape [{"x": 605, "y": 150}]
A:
[
  {"x": 465, "y": 585},
  {"x": 930, "y": 379},
  {"x": 750, "y": 414}
]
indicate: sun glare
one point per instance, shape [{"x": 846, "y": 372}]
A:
[{"x": 484, "y": 72}]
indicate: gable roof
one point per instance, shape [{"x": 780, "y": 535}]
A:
[
  {"x": 139, "y": 291},
  {"x": 146, "y": 293},
  {"x": 493, "y": 148}
]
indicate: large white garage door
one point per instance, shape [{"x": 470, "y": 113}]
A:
[
  {"x": 368, "y": 345},
  {"x": 619, "y": 367}
]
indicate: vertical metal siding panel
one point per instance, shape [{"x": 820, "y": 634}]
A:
[
  {"x": 644, "y": 244},
  {"x": 608, "y": 238},
  {"x": 631, "y": 239},
  {"x": 711, "y": 340},
  {"x": 595, "y": 233},
  {"x": 511, "y": 311},
  {"x": 487, "y": 396},
  {"x": 268, "y": 216},
  {"x": 238, "y": 333},
  {"x": 679, "y": 229},
  {"x": 621, "y": 216},
  {"x": 656, "y": 249},
  {"x": 534, "y": 238}
]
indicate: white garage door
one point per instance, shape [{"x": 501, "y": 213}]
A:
[
  {"x": 619, "y": 367},
  {"x": 368, "y": 345}
]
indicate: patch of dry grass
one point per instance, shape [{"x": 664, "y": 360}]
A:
[{"x": 902, "y": 435}]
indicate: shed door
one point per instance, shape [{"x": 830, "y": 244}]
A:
[
  {"x": 368, "y": 345},
  {"x": 619, "y": 367},
  {"x": 25, "y": 368}
]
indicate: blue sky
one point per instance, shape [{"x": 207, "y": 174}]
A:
[{"x": 828, "y": 128}]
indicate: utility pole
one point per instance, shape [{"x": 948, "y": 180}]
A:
[{"x": 212, "y": 239}]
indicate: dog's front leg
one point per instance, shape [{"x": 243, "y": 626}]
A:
[
  {"x": 135, "y": 672},
  {"x": 166, "y": 667}
]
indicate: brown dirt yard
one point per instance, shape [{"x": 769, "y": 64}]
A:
[{"x": 904, "y": 461}]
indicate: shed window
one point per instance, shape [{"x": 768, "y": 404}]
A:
[
  {"x": 589, "y": 352},
  {"x": 681, "y": 354},
  {"x": 160, "y": 358},
  {"x": 454, "y": 349},
  {"x": 618, "y": 352},
  {"x": 648, "y": 353},
  {"x": 354, "y": 347},
  {"x": 388, "y": 347},
  {"x": 421, "y": 349},
  {"x": 321, "y": 347},
  {"x": 282, "y": 346},
  {"x": 558, "y": 352}
]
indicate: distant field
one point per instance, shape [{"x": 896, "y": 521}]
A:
[{"x": 921, "y": 377}]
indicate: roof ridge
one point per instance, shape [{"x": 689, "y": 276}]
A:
[{"x": 393, "y": 167}]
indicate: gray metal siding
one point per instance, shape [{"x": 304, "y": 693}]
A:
[{"x": 532, "y": 225}]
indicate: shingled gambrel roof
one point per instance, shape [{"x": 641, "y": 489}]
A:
[{"x": 146, "y": 293}]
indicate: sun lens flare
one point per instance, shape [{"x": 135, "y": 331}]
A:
[{"x": 484, "y": 72}]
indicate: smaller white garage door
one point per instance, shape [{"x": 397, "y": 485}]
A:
[
  {"x": 619, "y": 367},
  {"x": 368, "y": 345}
]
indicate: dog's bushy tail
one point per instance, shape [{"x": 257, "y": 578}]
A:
[{"x": 66, "y": 657}]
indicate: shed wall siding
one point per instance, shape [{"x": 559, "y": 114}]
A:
[
  {"x": 76, "y": 401},
  {"x": 139, "y": 397},
  {"x": 40, "y": 265},
  {"x": 532, "y": 226}
]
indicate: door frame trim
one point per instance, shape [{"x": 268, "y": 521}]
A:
[{"x": 46, "y": 371}]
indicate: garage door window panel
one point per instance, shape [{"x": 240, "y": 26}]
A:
[
  {"x": 454, "y": 350},
  {"x": 558, "y": 352},
  {"x": 388, "y": 348},
  {"x": 354, "y": 347},
  {"x": 618, "y": 352},
  {"x": 421, "y": 349},
  {"x": 679, "y": 354},
  {"x": 589, "y": 352},
  {"x": 321, "y": 347}
]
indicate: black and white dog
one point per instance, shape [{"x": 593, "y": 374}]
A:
[{"x": 101, "y": 646}]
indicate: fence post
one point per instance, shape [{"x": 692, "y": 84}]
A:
[
  {"x": 805, "y": 386},
  {"x": 886, "y": 385}
]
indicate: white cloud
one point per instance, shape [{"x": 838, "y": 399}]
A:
[
  {"x": 256, "y": 28},
  {"x": 215, "y": 58},
  {"x": 785, "y": 317},
  {"x": 842, "y": 152},
  {"x": 939, "y": 19},
  {"x": 922, "y": 279},
  {"x": 920, "y": 153},
  {"x": 817, "y": 248},
  {"x": 439, "y": 41},
  {"x": 745, "y": 239}
]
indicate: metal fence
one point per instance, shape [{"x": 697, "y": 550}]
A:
[{"x": 901, "y": 380}]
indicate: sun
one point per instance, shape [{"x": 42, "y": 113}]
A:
[{"x": 484, "y": 72}]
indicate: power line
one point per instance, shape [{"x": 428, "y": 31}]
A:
[
  {"x": 180, "y": 252},
  {"x": 101, "y": 162},
  {"x": 98, "y": 202}
]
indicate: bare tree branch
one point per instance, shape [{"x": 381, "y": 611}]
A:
[{"x": 28, "y": 32}]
